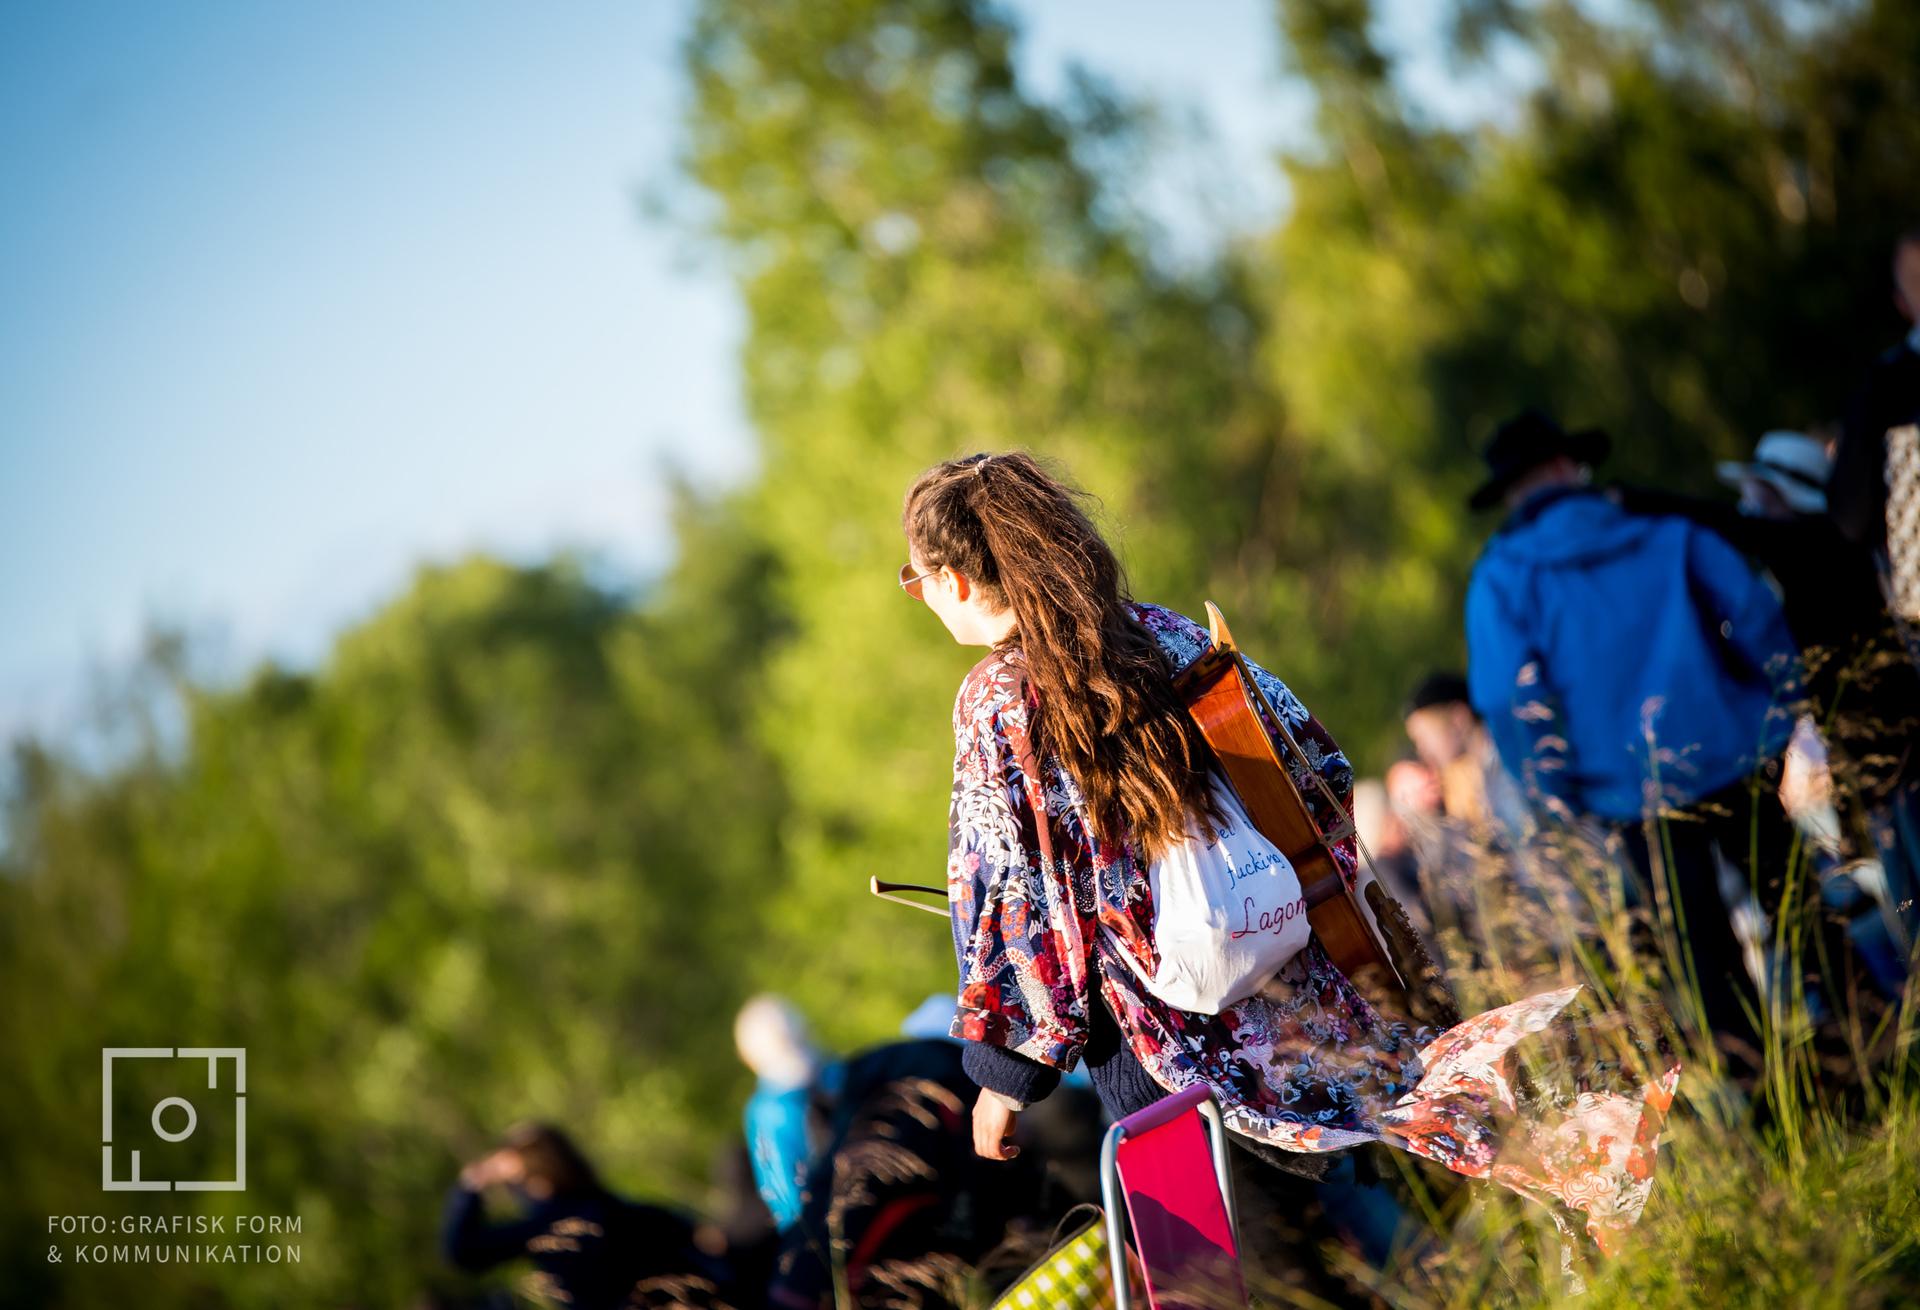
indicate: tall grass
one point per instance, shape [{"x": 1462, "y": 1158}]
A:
[
  {"x": 1798, "y": 1187},
  {"x": 1794, "y": 1184}
]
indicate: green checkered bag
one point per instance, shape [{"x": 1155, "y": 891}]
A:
[{"x": 1074, "y": 1275}]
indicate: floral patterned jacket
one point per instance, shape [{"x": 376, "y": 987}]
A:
[{"x": 1043, "y": 912}]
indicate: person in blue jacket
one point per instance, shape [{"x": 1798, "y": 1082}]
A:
[
  {"x": 793, "y": 1083},
  {"x": 1633, "y": 666}
]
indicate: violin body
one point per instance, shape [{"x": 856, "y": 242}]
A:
[{"x": 1218, "y": 691}]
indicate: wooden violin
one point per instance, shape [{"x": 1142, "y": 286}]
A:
[{"x": 1219, "y": 691}]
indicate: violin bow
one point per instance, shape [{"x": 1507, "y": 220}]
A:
[{"x": 889, "y": 891}]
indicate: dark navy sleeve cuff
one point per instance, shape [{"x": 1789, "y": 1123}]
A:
[{"x": 1008, "y": 1072}]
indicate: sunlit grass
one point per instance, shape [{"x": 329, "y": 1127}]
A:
[{"x": 1797, "y": 1188}]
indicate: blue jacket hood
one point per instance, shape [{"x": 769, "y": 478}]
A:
[
  {"x": 1569, "y": 526},
  {"x": 1624, "y": 660}
]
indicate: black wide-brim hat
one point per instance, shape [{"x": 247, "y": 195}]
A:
[{"x": 1525, "y": 442}]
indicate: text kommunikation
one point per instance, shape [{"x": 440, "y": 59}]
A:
[{"x": 175, "y": 1225}]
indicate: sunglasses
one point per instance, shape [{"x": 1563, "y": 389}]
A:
[{"x": 911, "y": 585}]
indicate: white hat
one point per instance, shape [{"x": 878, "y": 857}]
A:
[{"x": 1793, "y": 464}]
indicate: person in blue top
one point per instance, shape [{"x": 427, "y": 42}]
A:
[
  {"x": 781, "y": 1117},
  {"x": 1631, "y": 666}
]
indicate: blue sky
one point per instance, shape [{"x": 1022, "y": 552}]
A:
[{"x": 300, "y": 295}]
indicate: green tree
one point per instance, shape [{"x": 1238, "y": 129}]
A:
[
  {"x": 1681, "y": 237},
  {"x": 931, "y": 267},
  {"x": 486, "y": 863}
]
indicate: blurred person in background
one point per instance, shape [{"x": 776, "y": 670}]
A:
[
  {"x": 1888, "y": 397},
  {"x": 1451, "y": 739},
  {"x": 1857, "y": 494},
  {"x": 1415, "y": 811},
  {"x": 782, "y": 1128},
  {"x": 1407, "y": 825},
  {"x": 1862, "y": 692},
  {"x": 871, "y": 1154},
  {"x": 1854, "y": 891},
  {"x": 1414, "y": 791},
  {"x": 748, "y": 1240},
  {"x": 1481, "y": 893},
  {"x": 1634, "y": 668},
  {"x": 1418, "y": 805},
  {"x": 1385, "y": 836},
  {"x": 896, "y": 1199},
  {"x": 590, "y": 1248}
]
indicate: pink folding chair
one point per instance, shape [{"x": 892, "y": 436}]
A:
[{"x": 1184, "y": 1227}]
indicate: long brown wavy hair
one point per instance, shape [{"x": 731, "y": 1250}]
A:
[{"x": 1106, "y": 700}]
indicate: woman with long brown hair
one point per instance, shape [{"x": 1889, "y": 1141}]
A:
[{"x": 1075, "y": 765}]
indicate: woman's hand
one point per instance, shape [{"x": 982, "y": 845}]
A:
[
  {"x": 993, "y": 1116},
  {"x": 501, "y": 1166}
]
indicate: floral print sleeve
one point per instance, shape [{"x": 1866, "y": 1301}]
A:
[{"x": 1018, "y": 936}]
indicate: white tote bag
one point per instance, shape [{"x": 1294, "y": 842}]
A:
[{"x": 1226, "y": 913}]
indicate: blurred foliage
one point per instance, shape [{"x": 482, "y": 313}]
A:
[
  {"x": 458, "y": 876},
  {"x": 1682, "y": 237},
  {"x": 521, "y": 844}
]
